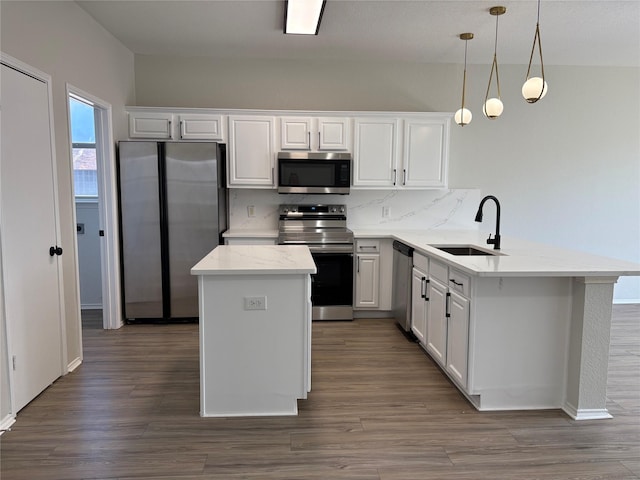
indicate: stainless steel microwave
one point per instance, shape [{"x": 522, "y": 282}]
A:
[{"x": 314, "y": 172}]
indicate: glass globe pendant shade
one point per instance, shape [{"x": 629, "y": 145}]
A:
[
  {"x": 463, "y": 116},
  {"x": 534, "y": 89},
  {"x": 493, "y": 108}
]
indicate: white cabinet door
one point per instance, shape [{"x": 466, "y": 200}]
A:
[
  {"x": 437, "y": 321},
  {"x": 458, "y": 338},
  {"x": 151, "y": 125},
  {"x": 295, "y": 133},
  {"x": 251, "y": 152},
  {"x": 201, "y": 127},
  {"x": 367, "y": 280},
  {"x": 333, "y": 133},
  {"x": 419, "y": 305},
  {"x": 425, "y": 153},
  {"x": 309, "y": 133},
  {"x": 375, "y": 152},
  {"x": 31, "y": 272}
]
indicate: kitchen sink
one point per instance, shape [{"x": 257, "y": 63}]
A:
[{"x": 466, "y": 250}]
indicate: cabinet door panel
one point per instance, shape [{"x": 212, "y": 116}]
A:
[
  {"x": 424, "y": 154},
  {"x": 437, "y": 321},
  {"x": 201, "y": 127},
  {"x": 418, "y": 306},
  {"x": 375, "y": 152},
  {"x": 251, "y": 152},
  {"x": 368, "y": 280},
  {"x": 334, "y": 134},
  {"x": 458, "y": 338},
  {"x": 295, "y": 133},
  {"x": 150, "y": 125}
]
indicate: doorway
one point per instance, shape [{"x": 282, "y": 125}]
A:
[{"x": 95, "y": 207}]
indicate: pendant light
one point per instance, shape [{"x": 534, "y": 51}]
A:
[
  {"x": 493, "y": 106},
  {"x": 463, "y": 116},
  {"x": 535, "y": 88}
]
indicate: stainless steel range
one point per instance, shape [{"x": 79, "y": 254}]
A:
[{"x": 323, "y": 228}]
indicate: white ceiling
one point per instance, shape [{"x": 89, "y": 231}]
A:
[{"x": 574, "y": 32}]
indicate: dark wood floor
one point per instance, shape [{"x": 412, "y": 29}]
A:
[{"x": 379, "y": 409}]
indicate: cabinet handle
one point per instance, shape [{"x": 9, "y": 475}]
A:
[
  {"x": 318, "y": 140},
  {"x": 404, "y": 176},
  {"x": 181, "y": 137},
  {"x": 423, "y": 289},
  {"x": 362, "y": 247},
  {"x": 394, "y": 177},
  {"x": 169, "y": 132},
  {"x": 358, "y": 266},
  {"x": 426, "y": 287},
  {"x": 447, "y": 305},
  {"x": 273, "y": 175},
  {"x": 309, "y": 141},
  {"x": 453, "y": 280}
]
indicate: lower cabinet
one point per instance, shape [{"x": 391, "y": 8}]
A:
[
  {"x": 448, "y": 311},
  {"x": 367, "y": 280}
]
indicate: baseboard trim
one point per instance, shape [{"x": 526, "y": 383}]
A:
[
  {"x": 6, "y": 423},
  {"x": 586, "y": 413},
  {"x": 75, "y": 363}
]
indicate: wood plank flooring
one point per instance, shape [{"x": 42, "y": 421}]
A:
[{"x": 379, "y": 410}]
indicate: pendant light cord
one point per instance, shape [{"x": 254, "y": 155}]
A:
[
  {"x": 536, "y": 38},
  {"x": 464, "y": 77},
  {"x": 494, "y": 65}
]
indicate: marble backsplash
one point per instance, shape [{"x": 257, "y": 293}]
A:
[{"x": 366, "y": 209}]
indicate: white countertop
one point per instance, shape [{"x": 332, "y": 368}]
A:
[
  {"x": 250, "y": 233},
  {"x": 256, "y": 260},
  {"x": 517, "y": 257}
]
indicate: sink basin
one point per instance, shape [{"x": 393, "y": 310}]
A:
[{"x": 464, "y": 250}]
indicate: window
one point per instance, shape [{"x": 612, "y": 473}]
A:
[{"x": 83, "y": 139}]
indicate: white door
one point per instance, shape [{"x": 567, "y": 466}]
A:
[{"x": 28, "y": 220}]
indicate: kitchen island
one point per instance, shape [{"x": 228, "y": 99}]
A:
[
  {"x": 525, "y": 327},
  {"x": 255, "y": 329}
]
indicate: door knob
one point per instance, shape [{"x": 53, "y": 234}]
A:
[{"x": 55, "y": 251}]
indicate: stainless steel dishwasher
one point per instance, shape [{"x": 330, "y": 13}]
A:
[{"x": 402, "y": 265}]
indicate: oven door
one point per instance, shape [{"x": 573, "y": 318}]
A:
[{"x": 332, "y": 286}]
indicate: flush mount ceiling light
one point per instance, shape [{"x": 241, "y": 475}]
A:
[
  {"x": 493, "y": 106},
  {"x": 535, "y": 88},
  {"x": 463, "y": 116},
  {"x": 302, "y": 17}
]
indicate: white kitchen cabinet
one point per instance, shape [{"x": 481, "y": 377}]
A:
[
  {"x": 201, "y": 127},
  {"x": 375, "y": 152},
  {"x": 367, "y": 281},
  {"x": 425, "y": 156},
  {"x": 151, "y": 125},
  {"x": 251, "y": 152},
  {"x": 367, "y": 278},
  {"x": 387, "y": 157},
  {"x": 419, "y": 305},
  {"x": 448, "y": 320},
  {"x": 436, "y": 343},
  {"x": 310, "y": 133},
  {"x": 458, "y": 338}
]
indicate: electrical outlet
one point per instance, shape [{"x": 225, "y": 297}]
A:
[
  {"x": 255, "y": 303},
  {"x": 251, "y": 210},
  {"x": 386, "y": 212}
]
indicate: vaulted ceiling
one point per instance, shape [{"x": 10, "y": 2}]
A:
[{"x": 574, "y": 32}]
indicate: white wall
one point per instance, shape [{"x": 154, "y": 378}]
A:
[
  {"x": 566, "y": 170},
  {"x": 60, "y": 39}
]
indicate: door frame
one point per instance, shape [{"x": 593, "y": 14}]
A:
[
  {"x": 39, "y": 75},
  {"x": 107, "y": 212}
]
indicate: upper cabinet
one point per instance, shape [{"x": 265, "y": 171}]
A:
[
  {"x": 397, "y": 152},
  {"x": 201, "y": 127},
  {"x": 315, "y": 133},
  {"x": 176, "y": 126},
  {"x": 151, "y": 125},
  {"x": 251, "y": 152}
]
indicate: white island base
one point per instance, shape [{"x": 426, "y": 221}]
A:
[{"x": 254, "y": 362}]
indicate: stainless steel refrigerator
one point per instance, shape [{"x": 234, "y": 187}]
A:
[{"x": 173, "y": 210}]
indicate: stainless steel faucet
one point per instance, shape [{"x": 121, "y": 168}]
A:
[{"x": 495, "y": 241}]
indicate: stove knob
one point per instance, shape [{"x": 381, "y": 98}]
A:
[
  {"x": 334, "y": 209},
  {"x": 341, "y": 209},
  {"x": 285, "y": 210}
]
